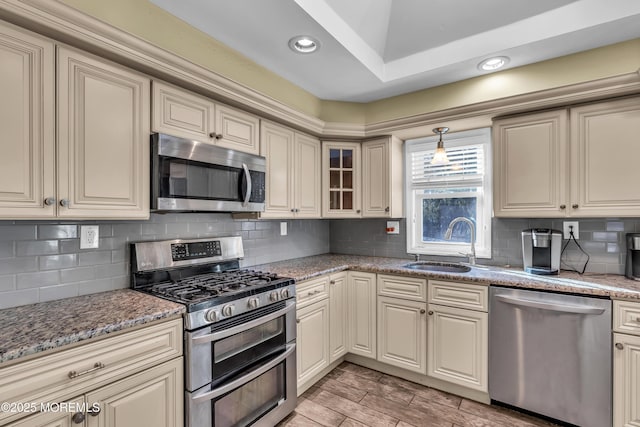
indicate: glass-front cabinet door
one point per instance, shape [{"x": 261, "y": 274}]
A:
[{"x": 341, "y": 181}]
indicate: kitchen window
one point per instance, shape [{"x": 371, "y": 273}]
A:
[{"x": 438, "y": 193}]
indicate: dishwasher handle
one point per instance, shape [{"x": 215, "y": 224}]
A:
[{"x": 577, "y": 309}]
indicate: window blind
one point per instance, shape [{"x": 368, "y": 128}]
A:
[{"x": 466, "y": 168}]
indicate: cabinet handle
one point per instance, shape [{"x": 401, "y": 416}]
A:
[
  {"x": 575, "y": 206},
  {"x": 50, "y": 201},
  {"x": 423, "y": 311},
  {"x": 619, "y": 346},
  {"x": 77, "y": 418},
  {"x": 64, "y": 203},
  {"x": 563, "y": 206},
  {"x": 75, "y": 374},
  {"x": 430, "y": 312},
  {"x": 386, "y": 209}
]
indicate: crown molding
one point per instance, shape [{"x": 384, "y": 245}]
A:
[
  {"x": 66, "y": 24},
  {"x": 564, "y": 96}
]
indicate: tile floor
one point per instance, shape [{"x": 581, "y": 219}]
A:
[{"x": 353, "y": 396}]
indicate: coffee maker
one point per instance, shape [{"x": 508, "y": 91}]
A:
[
  {"x": 541, "y": 249},
  {"x": 632, "y": 266}
]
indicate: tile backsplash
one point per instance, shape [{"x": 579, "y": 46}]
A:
[
  {"x": 603, "y": 239},
  {"x": 42, "y": 260}
]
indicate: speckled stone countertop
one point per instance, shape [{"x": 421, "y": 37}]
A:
[
  {"x": 34, "y": 328},
  {"x": 608, "y": 285}
]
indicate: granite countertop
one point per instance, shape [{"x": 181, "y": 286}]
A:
[
  {"x": 607, "y": 285},
  {"x": 34, "y": 328}
]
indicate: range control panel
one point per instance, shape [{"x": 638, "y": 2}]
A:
[{"x": 194, "y": 250}]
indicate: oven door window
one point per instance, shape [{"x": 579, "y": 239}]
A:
[
  {"x": 187, "y": 179},
  {"x": 246, "y": 404},
  {"x": 234, "y": 353}
]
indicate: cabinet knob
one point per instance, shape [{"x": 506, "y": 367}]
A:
[
  {"x": 64, "y": 203},
  {"x": 293, "y": 210},
  {"x": 212, "y": 135},
  {"x": 50, "y": 201},
  {"x": 619, "y": 346},
  {"x": 563, "y": 206},
  {"x": 77, "y": 418},
  {"x": 423, "y": 311},
  {"x": 333, "y": 282},
  {"x": 297, "y": 320},
  {"x": 386, "y": 209},
  {"x": 575, "y": 206},
  {"x": 95, "y": 410},
  {"x": 430, "y": 312},
  {"x": 219, "y": 136},
  {"x": 358, "y": 211}
]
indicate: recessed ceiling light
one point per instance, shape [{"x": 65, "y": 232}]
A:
[
  {"x": 304, "y": 44},
  {"x": 492, "y": 64}
]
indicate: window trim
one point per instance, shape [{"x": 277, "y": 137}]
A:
[{"x": 483, "y": 224}]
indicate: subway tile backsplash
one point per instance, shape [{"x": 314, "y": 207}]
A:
[
  {"x": 42, "y": 260},
  {"x": 603, "y": 239}
]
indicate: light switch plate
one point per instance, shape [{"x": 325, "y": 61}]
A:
[{"x": 89, "y": 235}]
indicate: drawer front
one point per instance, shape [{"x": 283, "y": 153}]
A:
[
  {"x": 626, "y": 317},
  {"x": 402, "y": 287},
  {"x": 313, "y": 290},
  {"x": 462, "y": 295},
  {"x": 48, "y": 378}
]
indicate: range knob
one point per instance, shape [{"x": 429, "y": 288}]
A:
[
  {"x": 212, "y": 316},
  {"x": 284, "y": 294},
  {"x": 274, "y": 296},
  {"x": 228, "y": 310},
  {"x": 254, "y": 303}
]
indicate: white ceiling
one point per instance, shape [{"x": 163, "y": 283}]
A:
[{"x": 373, "y": 49}]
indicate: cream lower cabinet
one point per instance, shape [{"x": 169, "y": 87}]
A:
[
  {"x": 361, "y": 297},
  {"x": 626, "y": 364},
  {"x": 402, "y": 322},
  {"x": 457, "y": 335},
  {"x": 181, "y": 113},
  {"x": 338, "y": 312},
  {"x": 312, "y": 340},
  {"x": 293, "y": 173}
]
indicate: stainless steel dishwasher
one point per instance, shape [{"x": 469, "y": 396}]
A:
[{"x": 550, "y": 353}]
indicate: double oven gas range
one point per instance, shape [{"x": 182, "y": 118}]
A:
[{"x": 240, "y": 329}]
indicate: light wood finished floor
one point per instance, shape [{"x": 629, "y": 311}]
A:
[{"x": 353, "y": 396}]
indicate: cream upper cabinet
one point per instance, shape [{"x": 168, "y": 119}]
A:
[
  {"x": 27, "y": 139},
  {"x": 103, "y": 138},
  {"x": 341, "y": 180},
  {"x": 361, "y": 298},
  {"x": 626, "y": 364},
  {"x": 293, "y": 173},
  {"x": 338, "y": 312},
  {"x": 458, "y": 336},
  {"x": 530, "y": 165},
  {"x": 605, "y": 148},
  {"x": 179, "y": 112},
  {"x": 382, "y": 178}
]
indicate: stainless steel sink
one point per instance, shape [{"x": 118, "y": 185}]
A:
[{"x": 441, "y": 267}]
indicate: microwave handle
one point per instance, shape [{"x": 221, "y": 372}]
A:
[{"x": 247, "y": 193}]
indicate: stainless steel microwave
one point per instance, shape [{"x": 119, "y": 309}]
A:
[{"x": 198, "y": 177}]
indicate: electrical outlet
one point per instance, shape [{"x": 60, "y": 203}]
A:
[
  {"x": 89, "y": 236},
  {"x": 570, "y": 225},
  {"x": 283, "y": 228}
]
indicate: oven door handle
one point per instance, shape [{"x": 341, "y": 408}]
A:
[
  {"x": 210, "y": 395},
  {"x": 291, "y": 305},
  {"x": 247, "y": 193}
]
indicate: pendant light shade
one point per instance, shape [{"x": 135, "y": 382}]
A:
[{"x": 440, "y": 156}]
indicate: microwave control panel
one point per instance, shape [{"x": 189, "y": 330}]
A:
[{"x": 195, "y": 250}]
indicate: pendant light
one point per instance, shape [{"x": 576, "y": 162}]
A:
[{"x": 440, "y": 156}]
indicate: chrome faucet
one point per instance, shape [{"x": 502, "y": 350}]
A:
[{"x": 472, "y": 227}]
